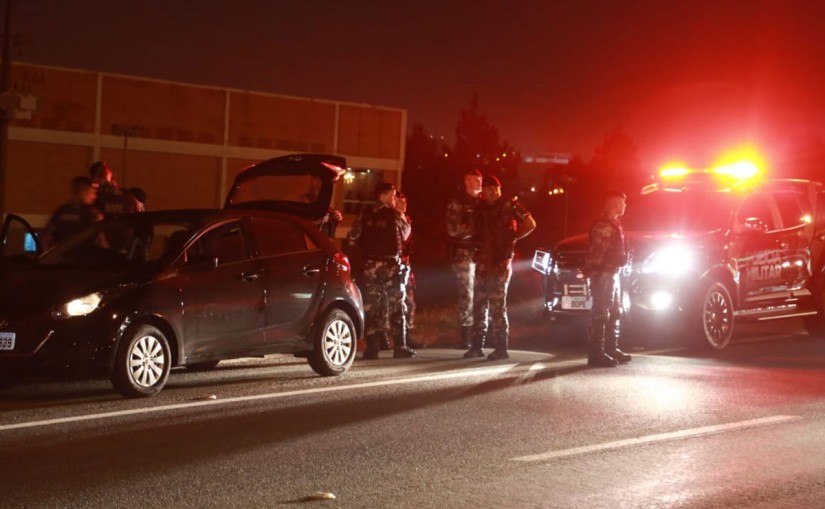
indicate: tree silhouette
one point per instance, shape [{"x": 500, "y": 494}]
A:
[{"x": 478, "y": 145}]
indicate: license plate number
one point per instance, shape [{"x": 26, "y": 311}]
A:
[
  {"x": 573, "y": 302},
  {"x": 7, "y": 340}
]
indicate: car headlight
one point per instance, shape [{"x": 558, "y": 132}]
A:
[
  {"x": 78, "y": 307},
  {"x": 673, "y": 260}
]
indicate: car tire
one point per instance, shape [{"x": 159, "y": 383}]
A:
[
  {"x": 142, "y": 362},
  {"x": 815, "y": 324},
  {"x": 202, "y": 366},
  {"x": 713, "y": 319},
  {"x": 334, "y": 344}
]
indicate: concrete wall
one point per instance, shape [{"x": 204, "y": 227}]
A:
[{"x": 182, "y": 143}]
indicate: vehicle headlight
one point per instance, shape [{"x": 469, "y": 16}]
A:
[
  {"x": 78, "y": 307},
  {"x": 673, "y": 260}
]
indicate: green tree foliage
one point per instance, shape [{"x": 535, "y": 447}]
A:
[
  {"x": 429, "y": 180},
  {"x": 479, "y": 146}
]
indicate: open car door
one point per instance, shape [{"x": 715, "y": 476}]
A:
[
  {"x": 18, "y": 240},
  {"x": 299, "y": 184}
]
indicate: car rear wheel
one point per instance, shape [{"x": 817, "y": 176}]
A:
[
  {"x": 715, "y": 316},
  {"x": 142, "y": 362},
  {"x": 334, "y": 344}
]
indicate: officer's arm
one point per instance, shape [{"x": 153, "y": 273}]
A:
[
  {"x": 355, "y": 232},
  {"x": 599, "y": 241},
  {"x": 403, "y": 225},
  {"x": 526, "y": 227},
  {"x": 456, "y": 229}
]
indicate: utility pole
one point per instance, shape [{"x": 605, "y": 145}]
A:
[{"x": 5, "y": 113}]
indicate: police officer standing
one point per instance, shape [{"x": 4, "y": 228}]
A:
[
  {"x": 606, "y": 255},
  {"x": 75, "y": 215},
  {"x": 407, "y": 272},
  {"x": 379, "y": 232},
  {"x": 110, "y": 197},
  {"x": 499, "y": 223},
  {"x": 459, "y": 221}
]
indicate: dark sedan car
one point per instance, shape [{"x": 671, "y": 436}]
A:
[{"x": 135, "y": 295}]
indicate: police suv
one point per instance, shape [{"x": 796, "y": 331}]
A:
[{"x": 705, "y": 252}]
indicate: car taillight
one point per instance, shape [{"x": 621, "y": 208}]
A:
[{"x": 342, "y": 261}]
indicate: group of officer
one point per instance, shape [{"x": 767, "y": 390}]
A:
[
  {"x": 92, "y": 198},
  {"x": 483, "y": 227}
]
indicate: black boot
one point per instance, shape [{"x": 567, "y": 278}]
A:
[
  {"x": 466, "y": 335},
  {"x": 601, "y": 360},
  {"x": 597, "y": 357},
  {"x": 611, "y": 346},
  {"x": 404, "y": 352},
  {"x": 384, "y": 343}
]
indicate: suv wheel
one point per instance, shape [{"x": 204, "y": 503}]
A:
[
  {"x": 142, "y": 362},
  {"x": 716, "y": 316},
  {"x": 334, "y": 344}
]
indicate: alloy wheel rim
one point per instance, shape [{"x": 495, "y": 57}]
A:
[
  {"x": 717, "y": 319},
  {"x": 146, "y": 361},
  {"x": 338, "y": 343}
]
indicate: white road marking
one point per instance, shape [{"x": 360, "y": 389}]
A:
[
  {"x": 661, "y": 437},
  {"x": 464, "y": 373}
]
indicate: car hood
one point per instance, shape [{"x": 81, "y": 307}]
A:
[
  {"x": 37, "y": 288},
  {"x": 299, "y": 184}
]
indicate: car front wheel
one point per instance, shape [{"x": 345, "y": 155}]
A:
[
  {"x": 715, "y": 316},
  {"x": 334, "y": 344},
  {"x": 142, "y": 362}
]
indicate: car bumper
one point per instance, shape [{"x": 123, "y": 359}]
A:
[{"x": 81, "y": 346}]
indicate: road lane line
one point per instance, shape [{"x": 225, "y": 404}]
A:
[
  {"x": 473, "y": 372},
  {"x": 661, "y": 437}
]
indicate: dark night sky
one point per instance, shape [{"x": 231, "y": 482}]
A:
[{"x": 683, "y": 78}]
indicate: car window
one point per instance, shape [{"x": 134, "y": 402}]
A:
[
  {"x": 683, "y": 211},
  {"x": 225, "y": 242},
  {"x": 127, "y": 241},
  {"x": 794, "y": 209},
  {"x": 279, "y": 236},
  {"x": 756, "y": 207}
]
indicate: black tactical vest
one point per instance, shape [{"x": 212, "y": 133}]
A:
[{"x": 380, "y": 237}]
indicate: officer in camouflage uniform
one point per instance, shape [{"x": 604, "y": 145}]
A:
[
  {"x": 606, "y": 255},
  {"x": 499, "y": 223},
  {"x": 111, "y": 199},
  {"x": 408, "y": 276},
  {"x": 379, "y": 232},
  {"x": 459, "y": 221}
]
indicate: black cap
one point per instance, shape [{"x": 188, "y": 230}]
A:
[
  {"x": 490, "y": 181},
  {"x": 473, "y": 172}
]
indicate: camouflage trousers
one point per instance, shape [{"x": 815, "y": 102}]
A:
[
  {"x": 408, "y": 277},
  {"x": 490, "y": 299},
  {"x": 603, "y": 333},
  {"x": 465, "y": 270},
  {"x": 384, "y": 308}
]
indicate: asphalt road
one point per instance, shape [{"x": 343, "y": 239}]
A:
[{"x": 741, "y": 428}]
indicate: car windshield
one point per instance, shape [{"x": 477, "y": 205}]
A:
[
  {"x": 125, "y": 242},
  {"x": 679, "y": 211}
]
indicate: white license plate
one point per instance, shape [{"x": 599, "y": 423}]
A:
[
  {"x": 573, "y": 302},
  {"x": 7, "y": 340}
]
